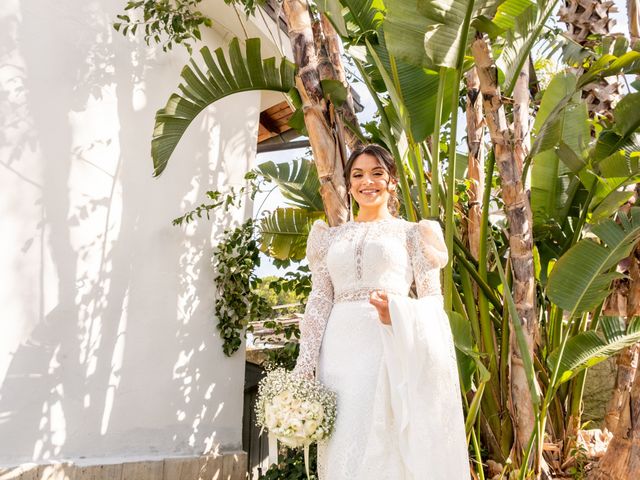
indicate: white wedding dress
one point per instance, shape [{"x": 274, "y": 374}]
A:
[{"x": 399, "y": 411}]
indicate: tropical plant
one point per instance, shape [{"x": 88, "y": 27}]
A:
[{"x": 222, "y": 78}]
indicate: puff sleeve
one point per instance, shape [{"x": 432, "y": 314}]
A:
[
  {"x": 428, "y": 253},
  {"x": 319, "y": 303}
]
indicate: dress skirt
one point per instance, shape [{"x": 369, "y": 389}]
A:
[
  {"x": 399, "y": 413},
  {"x": 350, "y": 365}
]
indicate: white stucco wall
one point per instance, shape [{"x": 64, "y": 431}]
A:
[{"x": 108, "y": 345}]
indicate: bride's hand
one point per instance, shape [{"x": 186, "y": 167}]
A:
[{"x": 379, "y": 299}]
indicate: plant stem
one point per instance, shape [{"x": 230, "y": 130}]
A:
[
  {"x": 435, "y": 146},
  {"x": 450, "y": 224}
]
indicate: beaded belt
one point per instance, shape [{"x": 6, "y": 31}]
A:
[{"x": 356, "y": 294}]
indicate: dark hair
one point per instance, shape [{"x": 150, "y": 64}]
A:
[{"x": 386, "y": 161}]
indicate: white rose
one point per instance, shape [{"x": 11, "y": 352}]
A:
[{"x": 310, "y": 427}]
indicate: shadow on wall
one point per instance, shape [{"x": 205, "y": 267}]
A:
[{"x": 122, "y": 358}]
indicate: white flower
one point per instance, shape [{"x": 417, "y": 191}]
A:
[{"x": 310, "y": 426}]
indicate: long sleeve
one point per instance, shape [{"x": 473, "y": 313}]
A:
[
  {"x": 428, "y": 254},
  {"x": 320, "y": 301}
]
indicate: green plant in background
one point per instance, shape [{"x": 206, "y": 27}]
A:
[
  {"x": 292, "y": 289},
  {"x": 274, "y": 291},
  {"x": 291, "y": 466},
  {"x": 284, "y": 231}
]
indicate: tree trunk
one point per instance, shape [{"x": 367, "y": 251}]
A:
[
  {"x": 521, "y": 117},
  {"x": 633, "y": 15},
  {"x": 627, "y": 363},
  {"x": 627, "y": 360},
  {"x": 475, "y": 173},
  {"x": 347, "y": 110},
  {"x": 622, "y": 459},
  {"x": 323, "y": 129},
  {"x": 519, "y": 215},
  {"x": 586, "y": 20}
]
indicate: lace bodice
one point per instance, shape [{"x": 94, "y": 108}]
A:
[{"x": 349, "y": 261}]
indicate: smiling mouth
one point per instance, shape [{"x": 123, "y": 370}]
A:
[{"x": 369, "y": 192}]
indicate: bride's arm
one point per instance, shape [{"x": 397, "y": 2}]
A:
[
  {"x": 320, "y": 301},
  {"x": 428, "y": 254}
]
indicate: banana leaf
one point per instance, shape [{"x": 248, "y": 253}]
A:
[
  {"x": 283, "y": 233},
  {"x": 297, "y": 181},
  {"x": 589, "y": 348},
  {"x": 353, "y": 19},
  {"x": 428, "y": 33},
  {"x": 414, "y": 93},
  {"x": 221, "y": 78},
  {"x": 582, "y": 277}
]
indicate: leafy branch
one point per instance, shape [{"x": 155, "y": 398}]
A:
[
  {"x": 233, "y": 198},
  {"x": 164, "y": 21}
]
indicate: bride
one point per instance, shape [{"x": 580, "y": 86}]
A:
[{"x": 390, "y": 358}]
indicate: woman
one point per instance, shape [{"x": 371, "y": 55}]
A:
[{"x": 389, "y": 358}]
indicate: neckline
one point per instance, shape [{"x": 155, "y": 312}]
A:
[{"x": 382, "y": 220}]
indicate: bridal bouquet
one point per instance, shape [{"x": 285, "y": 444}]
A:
[{"x": 297, "y": 411}]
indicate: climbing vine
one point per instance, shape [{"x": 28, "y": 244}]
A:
[
  {"x": 240, "y": 297},
  {"x": 237, "y": 303}
]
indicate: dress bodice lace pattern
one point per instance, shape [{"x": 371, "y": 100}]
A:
[{"x": 349, "y": 261}]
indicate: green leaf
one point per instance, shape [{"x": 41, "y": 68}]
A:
[
  {"x": 202, "y": 88},
  {"x": 623, "y": 136},
  {"x": 610, "y": 142},
  {"x": 361, "y": 17},
  {"x": 335, "y": 91},
  {"x": 589, "y": 348},
  {"x": 468, "y": 359},
  {"x": 549, "y": 186},
  {"x": 283, "y": 233},
  {"x": 562, "y": 119},
  {"x": 610, "y": 205},
  {"x": 561, "y": 86},
  {"x": 581, "y": 278},
  {"x": 427, "y": 33},
  {"x": 523, "y": 26},
  {"x": 298, "y": 182},
  {"x": 415, "y": 93},
  {"x": 510, "y": 12},
  {"x": 333, "y": 10},
  {"x": 627, "y": 114},
  {"x": 614, "y": 173},
  {"x": 608, "y": 65},
  {"x": 485, "y": 25}
]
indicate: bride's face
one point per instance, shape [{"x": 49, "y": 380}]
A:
[{"x": 370, "y": 182}]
